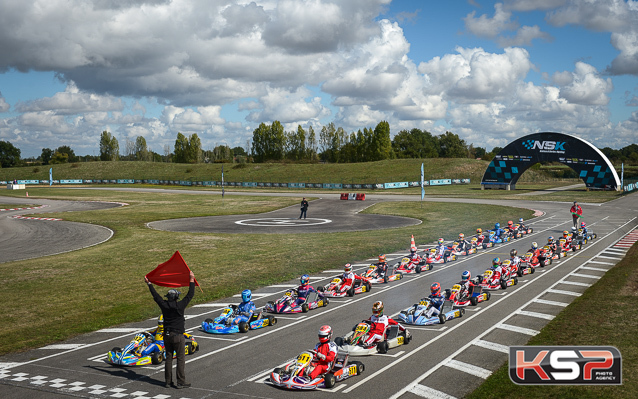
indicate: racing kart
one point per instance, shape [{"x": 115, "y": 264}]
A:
[
  {"x": 524, "y": 229},
  {"x": 455, "y": 250},
  {"x": 483, "y": 242},
  {"x": 494, "y": 239},
  {"x": 407, "y": 266},
  {"x": 432, "y": 257},
  {"x": 353, "y": 343},
  {"x": 509, "y": 268},
  {"x": 571, "y": 245},
  {"x": 288, "y": 303},
  {"x": 337, "y": 288},
  {"x": 417, "y": 314},
  {"x": 223, "y": 323},
  {"x": 590, "y": 235},
  {"x": 372, "y": 276},
  {"x": 131, "y": 354},
  {"x": 294, "y": 375},
  {"x": 489, "y": 282},
  {"x": 527, "y": 265},
  {"x": 546, "y": 256},
  {"x": 473, "y": 297}
]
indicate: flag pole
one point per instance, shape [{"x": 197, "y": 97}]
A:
[{"x": 422, "y": 189}]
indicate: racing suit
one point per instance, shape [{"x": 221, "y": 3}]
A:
[
  {"x": 465, "y": 289},
  {"x": 436, "y": 302},
  {"x": 498, "y": 232},
  {"x": 499, "y": 273},
  {"x": 553, "y": 246},
  {"x": 382, "y": 268},
  {"x": 348, "y": 279},
  {"x": 245, "y": 311},
  {"x": 464, "y": 245},
  {"x": 158, "y": 341},
  {"x": 378, "y": 325},
  {"x": 302, "y": 293},
  {"x": 516, "y": 261},
  {"x": 479, "y": 239},
  {"x": 329, "y": 350},
  {"x": 440, "y": 251}
]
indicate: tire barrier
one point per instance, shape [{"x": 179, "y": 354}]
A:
[{"x": 353, "y": 196}]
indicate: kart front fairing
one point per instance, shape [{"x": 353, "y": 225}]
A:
[{"x": 417, "y": 314}]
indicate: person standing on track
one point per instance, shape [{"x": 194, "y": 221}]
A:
[
  {"x": 304, "y": 208},
  {"x": 174, "y": 329},
  {"x": 577, "y": 212}
]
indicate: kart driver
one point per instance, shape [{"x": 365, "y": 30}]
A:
[
  {"x": 158, "y": 337},
  {"x": 382, "y": 266},
  {"x": 521, "y": 225},
  {"x": 498, "y": 271},
  {"x": 497, "y": 230},
  {"x": 304, "y": 289},
  {"x": 514, "y": 258},
  {"x": 325, "y": 353},
  {"x": 466, "y": 283},
  {"x": 464, "y": 245},
  {"x": 553, "y": 245},
  {"x": 436, "y": 300},
  {"x": 246, "y": 308},
  {"x": 378, "y": 324},
  {"x": 440, "y": 249},
  {"x": 414, "y": 257},
  {"x": 348, "y": 276},
  {"x": 567, "y": 237},
  {"x": 583, "y": 227},
  {"x": 479, "y": 236}
]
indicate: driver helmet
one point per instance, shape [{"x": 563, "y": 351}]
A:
[
  {"x": 497, "y": 226},
  {"x": 160, "y": 320},
  {"x": 513, "y": 253},
  {"x": 510, "y": 223},
  {"x": 582, "y": 225},
  {"x": 479, "y": 230},
  {"x": 413, "y": 250},
  {"x": 382, "y": 258},
  {"x": 433, "y": 250},
  {"x": 520, "y": 220},
  {"x": 435, "y": 289},
  {"x": 246, "y": 295},
  {"x": 377, "y": 308},
  {"x": 496, "y": 262},
  {"x": 565, "y": 233},
  {"x": 347, "y": 268},
  {"x": 172, "y": 295},
  {"x": 574, "y": 229},
  {"x": 461, "y": 236},
  {"x": 550, "y": 239},
  {"x": 304, "y": 279},
  {"x": 325, "y": 333},
  {"x": 441, "y": 241},
  {"x": 466, "y": 275},
  {"x": 535, "y": 245}
]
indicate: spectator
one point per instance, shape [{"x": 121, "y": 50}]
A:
[
  {"x": 577, "y": 212},
  {"x": 304, "y": 208}
]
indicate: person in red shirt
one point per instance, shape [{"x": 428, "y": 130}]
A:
[
  {"x": 325, "y": 353},
  {"x": 378, "y": 324},
  {"x": 577, "y": 212}
]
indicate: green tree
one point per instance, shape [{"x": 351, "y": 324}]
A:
[
  {"x": 65, "y": 149},
  {"x": 268, "y": 142},
  {"x": 59, "y": 157},
  {"x": 180, "y": 153},
  {"x": 194, "y": 149},
  {"x": 381, "y": 143},
  {"x": 46, "y": 155},
  {"x": 9, "y": 155},
  {"x": 415, "y": 143},
  {"x": 237, "y": 151},
  {"x": 141, "y": 149},
  {"x": 452, "y": 146},
  {"x": 109, "y": 147},
  {"x": 311, "y": 144}
]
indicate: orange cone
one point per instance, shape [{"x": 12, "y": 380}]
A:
[
  {"x": 412, "y": 244},
  {"x": 27, "y": 193}
]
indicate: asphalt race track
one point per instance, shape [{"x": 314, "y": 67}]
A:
[
  {"x": 25, "y": 235},
  {"x": 442, "y": 361}
]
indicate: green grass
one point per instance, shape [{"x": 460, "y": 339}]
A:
[
  {"x": 368, "y": 172},
  {"x": 64, "y": 295},
  {"x": 606, "y": 314}
]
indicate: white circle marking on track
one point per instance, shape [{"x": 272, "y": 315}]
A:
[{"x": 283, "y": 222}]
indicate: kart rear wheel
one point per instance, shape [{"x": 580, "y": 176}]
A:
[
  {"x": 329, "y": 380},
  {"x": 157, "y": 357},
  {"x": 325, "y": 301},
  {"x": 503, "y": 284},
  {"x": 278, "y": 370},
  {"x": 243, "y": 327},
  {"x": 368, "y": 287},
  {"x": 339, "y": 341},
  {"x": 560, "y": 255},
  {"x": 531, "y": 230},
  {"x": 272, "y": 320},
  {"x": 304, "y": 308},
  {"x": 473, "y": 301},
  {"x": 360, "y": 367},
  {"x": 594, "y": 235},
  {"x": 519, "y": 272},
  {"x": 351, "y": 291},
  {"x": 385, "y": 279},
  {"x": 479, "y": 279},
  {"x": 418, "y": 268},
  {"x": 406, "y": 338},
  {"x": 382, "y": 347},
  {"x": 441, "y": 318},
  {"x": 484, "y": 246},
  {"x": 488, "y": 296},
  {"x": 515, "y": 280},
  {"x": 448, "y": 292},
  {"x": 320, "y": 289},
  {"x": 533, "y": 270},
  {"x": 209, "y": 321},
  {"x": 116, "y": 349}
]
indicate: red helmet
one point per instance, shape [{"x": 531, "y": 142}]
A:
[
  {"x": 347, "y": 268},
  {"x": 325, "y": 333},
  {"x": 382, "y": 258},
  {"x": 435, "y": 288},
  {"x": 509, "y": 223},
  {"x": 461, "y": 236}
]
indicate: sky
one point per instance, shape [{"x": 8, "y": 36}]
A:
[{"x": 487, "y": 71}]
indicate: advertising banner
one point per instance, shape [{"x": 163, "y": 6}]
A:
[{"x": 440, "y": 182}]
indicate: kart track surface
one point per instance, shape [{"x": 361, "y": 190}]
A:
[
  {"x": 442, "y": 361},
  {"x": 25, "y": 235}
]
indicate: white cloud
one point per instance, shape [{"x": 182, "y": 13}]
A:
[
  {"x": 487, "y": 27},
  {"x": 524, "y": 37},
  {"x": 587, "y": 87},
  {"x": 4, "y": 105}
]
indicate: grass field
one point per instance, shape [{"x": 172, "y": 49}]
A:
[
  {"x": 101, "y": 286},
  {"x": 606, "y": 314}
]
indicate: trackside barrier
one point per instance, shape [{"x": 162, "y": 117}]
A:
[
  {"x": 344, "y": 196},
  {"x": 361, "y": 197},
  {"x": 352, "y": 196}
]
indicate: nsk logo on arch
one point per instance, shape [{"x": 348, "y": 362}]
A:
[{"x": 544, "y": 145}]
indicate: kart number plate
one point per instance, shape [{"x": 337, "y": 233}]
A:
[
  {"x": 400, "y": 340},
  {"x": 352, "y": 370},
  {"x": 304, "y": 358}
]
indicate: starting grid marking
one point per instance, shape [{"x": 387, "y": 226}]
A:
[{"x": 22, "y": 209}]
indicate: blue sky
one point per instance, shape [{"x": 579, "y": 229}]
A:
[{"x": 487, "y": 71}]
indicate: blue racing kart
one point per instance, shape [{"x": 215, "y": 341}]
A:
[
  {"x": 417, "y": 314},
  {"x": 223, "y": 324}
]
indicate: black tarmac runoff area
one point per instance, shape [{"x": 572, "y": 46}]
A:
[{"x": 324, "y": 216}]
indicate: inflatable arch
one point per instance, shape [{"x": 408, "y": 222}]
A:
[{"x": 591, "y": 165}]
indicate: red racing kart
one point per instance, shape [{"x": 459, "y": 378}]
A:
[
  {"x": 372, "y": 276},
  {"x": 337, "y": 288}
]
